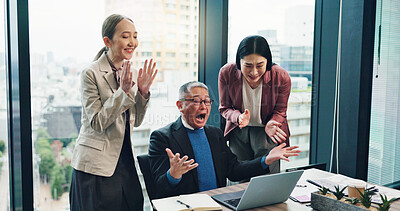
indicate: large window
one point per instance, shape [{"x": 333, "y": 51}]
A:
[
  {"x": 384, "y": 151},
  {"x": 65, "y": 36},
  {"x": 4, "y": 166},
  {"x": 288, "y": 27}
]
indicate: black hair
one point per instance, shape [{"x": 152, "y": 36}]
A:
[{"x": 254, "y": 44}]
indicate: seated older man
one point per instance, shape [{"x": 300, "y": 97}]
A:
[{"x": 188, "y": 156}]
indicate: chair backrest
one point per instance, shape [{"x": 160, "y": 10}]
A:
[{"x": 144, "y": 164}]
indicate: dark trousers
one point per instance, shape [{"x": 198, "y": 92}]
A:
[
  {"x": 122, "y": 191},
  {"x": 252, "y": 142}
]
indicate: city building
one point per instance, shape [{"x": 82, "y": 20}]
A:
[{"x": 168, "y": 32}]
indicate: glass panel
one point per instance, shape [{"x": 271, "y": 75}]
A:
[
  {"x": 384, "y": 148},
  {"x": 288, "y": 27},
  {"x": 4, "y": 165},
  {"x": 61, "y": 46}
]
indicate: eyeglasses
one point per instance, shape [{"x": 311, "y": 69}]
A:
[{"x": 206, "y": 102}]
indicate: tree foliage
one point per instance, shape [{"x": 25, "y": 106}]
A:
[
  {"x": 57, "y": 181},
  {"x": 57, "y": 173},
  {"x": 2, "y": 146},
  {"x": 42, "y": 133},
  {"x": 47, "y": 158},
  {"x": 68, "y": 173}
]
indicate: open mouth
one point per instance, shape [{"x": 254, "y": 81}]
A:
[
  {"x": 129, "y": 50},
  {"x": 253, "y": 77},
  {"x": 201, "y": 117}
]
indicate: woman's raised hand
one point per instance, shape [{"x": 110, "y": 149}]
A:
[
  {"x": 146, "y": 77},
  {"x": 126, "y": 82},
  {"x": 244, "y": 119},
  {"x": 276, "y": 134}
]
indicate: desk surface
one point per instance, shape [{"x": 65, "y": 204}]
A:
[{"x": 289, "y": 204}]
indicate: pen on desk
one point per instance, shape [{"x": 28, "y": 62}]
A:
[
  {"x": 187, "y": 206},
  {"x": 314, "y": 183}
]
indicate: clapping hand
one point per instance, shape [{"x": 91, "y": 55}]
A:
[
  {"x": 281, "y": 152},
  {"x": 146, "y": 77},
  {"x": 179, "y": 166},
  {"x": 125, "y": 78},
  {"x": 274, "y": 132},
  {"x": 244, "y": 119}
]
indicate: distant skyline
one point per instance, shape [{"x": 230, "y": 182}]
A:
[
  {"x": 248, "y": 19},
  {"x": 73, "y": 28}
]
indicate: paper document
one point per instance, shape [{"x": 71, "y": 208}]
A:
[
  {"x": 302, "y": 192},
  {"x": 188, "y": 202}
]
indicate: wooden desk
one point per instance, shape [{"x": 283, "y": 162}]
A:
[{"x": 289, "y": 204}]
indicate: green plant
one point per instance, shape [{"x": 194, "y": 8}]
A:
[
  {"x": 323, "y": 190},
  {"x": 339, "y": 193},
  {"x": 353, "y": 200},
  {"x": 365, "y": 198},
  {"x": 385, "y": 203},
  {"x": 57, "y": 180},
  {"x": 2, "y": 146}
]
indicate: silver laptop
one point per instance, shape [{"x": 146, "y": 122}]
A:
[{"x": 261, "y": 191}]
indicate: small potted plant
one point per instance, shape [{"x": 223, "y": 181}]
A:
[
  {"x": 365, "y": 198},
  {"x": 385, "y": 203},
  {"x": 339, "y": 193},
  {"x": 336, "y": 200},
  {"x": 353, "y": 200},
  {"x": 323, "y": 190}
]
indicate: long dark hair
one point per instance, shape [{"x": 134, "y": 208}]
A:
[
  {"x": 254, "y": 44},
  {"x": 108, "y": 30}
]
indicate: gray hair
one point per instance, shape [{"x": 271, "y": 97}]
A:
[{"x": 185, "y": 88}]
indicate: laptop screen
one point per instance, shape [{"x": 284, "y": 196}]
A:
[{"x": 262, "y": 190}]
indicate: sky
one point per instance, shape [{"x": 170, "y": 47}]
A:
[
  {"x": 247, "y": 18},
  {"x": 69, "y": 28},
  {"x": 73, "y": 28}
]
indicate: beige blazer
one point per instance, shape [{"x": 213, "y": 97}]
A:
[{"x": 101, "y": 136}]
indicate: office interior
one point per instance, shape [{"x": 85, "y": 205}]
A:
[{"x": 345, "y": 108}]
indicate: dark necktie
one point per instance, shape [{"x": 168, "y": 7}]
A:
[{"x": 114, "y": 69}]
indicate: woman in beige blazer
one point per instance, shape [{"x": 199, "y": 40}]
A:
[{"x": 113, "y": 101}]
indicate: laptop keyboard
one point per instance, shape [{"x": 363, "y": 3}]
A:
[{"x": 233, "y": 202}]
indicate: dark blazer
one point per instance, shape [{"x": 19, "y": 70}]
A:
[
  {"x": 275, "y": 94},
  {"x": 174, "y": 136}
]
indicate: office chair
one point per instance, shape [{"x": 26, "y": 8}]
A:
[{"x": 144, "y": 164}]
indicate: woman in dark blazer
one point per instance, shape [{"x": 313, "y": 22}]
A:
[
  {"x": 113, "y": 101},
  {"x": 253, "y": 94}
]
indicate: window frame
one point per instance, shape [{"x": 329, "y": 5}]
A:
[
  {"x": 19, "y": 104},
  {"x": 213, "y": 53},
  {"x": 356, "y": 67}
]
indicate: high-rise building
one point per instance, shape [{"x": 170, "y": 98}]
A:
[
  {"x": 62, "y": 121},
  {"x": 299, "y": 116},
  {"x": 271, "y": 37},
  {"x": 297, "y": 60},
  {"x": 167, "y": 32}
]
